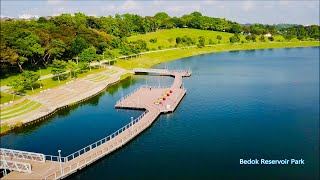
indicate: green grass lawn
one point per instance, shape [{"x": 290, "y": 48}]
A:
[
  {"x": 5, "y": 97},
  {"x": 163, "y": 37},
  {"x": 45, "y": 71},
  {"x": 19, "y": 109},
  {"x": 148, "y": 60},
  {"x": 16, "y": 106}
]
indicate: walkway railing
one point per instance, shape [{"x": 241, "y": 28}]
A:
[
  {"x": 67, "y": 170},
  {"x": 15, "y": 166},
  {"x": 124, "y": 97},
  {"x": 103, "y": 140},
  {"x": 22, "y": 155}
]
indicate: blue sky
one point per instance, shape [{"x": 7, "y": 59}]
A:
[{"x": 267, "y": 12}]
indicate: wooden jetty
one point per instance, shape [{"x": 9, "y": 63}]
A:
[{"x": 154, "y": 100}]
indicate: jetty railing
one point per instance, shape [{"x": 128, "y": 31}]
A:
[
  {"x": 15, "y": 166},
  {"x": 22, "y": 155},
  {"x": 128, "y": 94},
  {"x": 103, "y": 140},
  {"x": 67, "y": 170}
]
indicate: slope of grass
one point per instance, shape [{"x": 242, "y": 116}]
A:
[
  {"x": 151, "y": 59},
  {"x": 44, "y": 71},
  {"x": 163, "y": 36},
  {"x": 5, "y": 97}
]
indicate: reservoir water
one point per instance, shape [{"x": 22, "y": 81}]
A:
[{"x": 260, "y": 104}]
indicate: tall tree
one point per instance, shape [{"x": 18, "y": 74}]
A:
[
  {"x": 29, "y": 78},
  {"x": 58, "y": 67},
  {"x": 88, "y": 55}
]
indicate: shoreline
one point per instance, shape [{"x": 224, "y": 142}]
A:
[
  {"x": 38, "y": 115},
  {"x": 198, "y": 51},
  {"x": 156, "y": 57}
]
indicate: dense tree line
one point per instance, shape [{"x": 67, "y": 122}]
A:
[{"x": 80, "y": 38}]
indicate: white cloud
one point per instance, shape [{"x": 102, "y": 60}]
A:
[
  {"x": 209, "y": 2},
  {"x": 55, "y": 2},
  {"x": 248, "y": 6},
  {"x": 129, "y": 5}
]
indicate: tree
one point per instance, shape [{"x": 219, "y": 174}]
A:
[
  {"x": 178, "y": 40},
  {"x": 254, "y": 38},
  {"x": 29, "y": 79},
  {"x": 56, "y": 48},
  {"x": 262, "y": 39},
  {"x": 271, "y": 38},
  {"x": 16, "y": 84},
  {"x": 202, "y": 41},
  {"x": 58, "y": 67},
  {"x": 219, "y": 37},
  {"x": 153, "y": 40},
  {"x": 72, "y": 67},
  {"x": 110, "y": 54},
  {"x": 88, "y": 55},
  {"x": 78, "y": 45},
  {"x": 248, "y": 37},
  {"x": 234, "y": 39}
]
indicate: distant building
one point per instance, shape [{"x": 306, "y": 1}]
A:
[
  {"x": 28, "y": 17},
  {"x": 267, "y": 35}
]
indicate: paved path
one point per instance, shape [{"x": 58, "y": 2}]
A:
[{"x": 50, "y": 169}]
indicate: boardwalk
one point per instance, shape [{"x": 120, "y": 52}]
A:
[{"x": 49, "y": 167}]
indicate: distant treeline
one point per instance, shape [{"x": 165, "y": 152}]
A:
[{"x": 36, "y": 43}]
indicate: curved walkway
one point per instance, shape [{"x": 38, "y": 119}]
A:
[{"x": 50, "y": 169}]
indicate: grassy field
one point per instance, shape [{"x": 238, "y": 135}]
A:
[
  {"x": 5, "y": 97},
  {"x": 163, "y": 37},
  {"x": 151, "y": 59},
  {"x": 44, "y": 71}
]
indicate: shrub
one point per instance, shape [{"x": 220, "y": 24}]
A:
[{"x": 153, "y": 40}]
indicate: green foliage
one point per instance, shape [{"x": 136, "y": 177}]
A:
[
  {"x": 17, "y": 84},
  {"x": 153, "y": 40},
  {"x": 88, "y": 55},
  {"x": 34, "y": 44},
  {"x": 29, "y": 79},
  {"x": 202, "y": 41},
  {"x": 111, "y": 54},
  {"x": 262, "y": 39},
  {"x": 58, "y": 67},
  {"x": 185, "y": 41},
  {"x": 210, "y": 42},
  {"x": 234, "y": 39},
  {"x": 83, "y": 66},
  {"x": 170, "y": 40},
  {"x": 78, "y": 45},
  {"x": 72, "y": 67}
]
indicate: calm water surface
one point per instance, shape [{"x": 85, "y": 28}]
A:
[{"x": 246, "y": 104}]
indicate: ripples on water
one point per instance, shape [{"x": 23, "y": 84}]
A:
[{"x": 243, "y": 104}]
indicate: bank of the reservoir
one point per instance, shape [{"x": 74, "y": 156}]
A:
[
  {"x": 157, "y": 57},
  {"x": 150, "y": 59}
]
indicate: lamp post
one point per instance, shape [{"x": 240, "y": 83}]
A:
[
  {"x": 59, "y": 151},
  {"x": 146, "y": 82},
  {"x": 131, "y": 123},
  {"x": 40, "y": 78}
]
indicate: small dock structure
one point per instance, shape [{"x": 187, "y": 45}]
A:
[{"x": 154, "y": 100}]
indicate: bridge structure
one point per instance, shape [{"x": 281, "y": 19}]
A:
[{"x": 154, "y": 100}]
